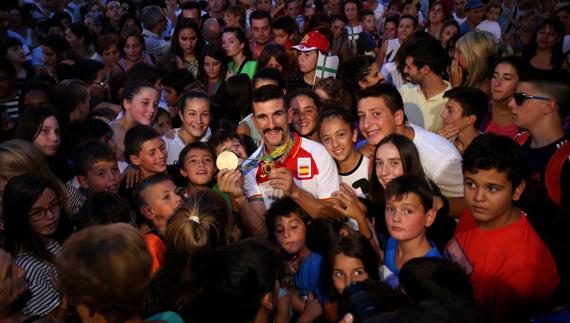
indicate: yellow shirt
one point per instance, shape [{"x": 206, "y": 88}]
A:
[{"x": 422, "y": 112}]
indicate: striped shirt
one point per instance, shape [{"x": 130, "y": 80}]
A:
[
  {"x": 44, "y": 298},
  {"x": 12, "y": 107}
]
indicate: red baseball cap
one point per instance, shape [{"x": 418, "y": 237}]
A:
[{"x": 313, "y": 40}]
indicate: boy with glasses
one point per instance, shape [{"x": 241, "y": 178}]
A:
[{"x": 540, "y": 105}]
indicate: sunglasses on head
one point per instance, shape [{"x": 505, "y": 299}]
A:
[{"x": 521, "y": 97}]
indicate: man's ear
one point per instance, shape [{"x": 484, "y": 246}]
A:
[
  {"x": 517, "y": 192},
  {"x": 289, "y": 115},
  {"x": 430, "y": 217},
  {"x": 82, "y": 182},
  {"x": 354, "y": 135}
]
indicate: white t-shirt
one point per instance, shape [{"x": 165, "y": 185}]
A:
[
  {"x": 175, "y": 145},
  {"x": 313, "y": 170},
  {"x": 440, "y": 160},
  {"x": 358, "y": 177}
]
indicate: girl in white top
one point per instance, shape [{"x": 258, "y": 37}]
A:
[{"x": 195, "y": 114}]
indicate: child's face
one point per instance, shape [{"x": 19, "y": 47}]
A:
[
  {"x": 493, "y": 14},
  {"x": 373, "y": 77},
  {"x": 351, "y": 11},
  {"x": 163, "y": 124},
  {"x": 292, "y": 9},
  {"x": 338, "y": 138},
  {"x": 143, "y": 106},
  {"x": 406, "y": 219},
  {"x": 212, "y": 67},
  {"x": 290, "y": 233},
  {"x": 231, "y": 20},
  {"x": 388, "y": 163},
  {"x": 390, "y": 30},
  {"x": 337, "y": 28},
  {"x": 162, "y": 200},
  {"x": 198, "y": 167},
  {"x": 44, "y": 214},
  {"x": 369, "y": 23},
  {"x": 347, "y": 270},
  {"x": 452, "y": 115},
  {"x": 303, "y": 114},
  {"x": 195, "y": 117},
  {"x": 489, "y": 195},
  {"x": 504, "y": 82},
  {"x": 234, "y": 146},
  {"x": 375, "y": 119},
  {"x": 280, "y": 36},
  {"x": 152, "y": 157},
  {"x": 49, "y": 137},
  {"x": 308, "y": 61},
  {"x": 447, "y": 33},
  {"x": 104, "y": 176},
  {"x": 170, "y": 95}
]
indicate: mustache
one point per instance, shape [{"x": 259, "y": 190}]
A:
[{"x": 272, "y": 129}]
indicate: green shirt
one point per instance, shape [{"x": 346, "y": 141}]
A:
[{"x": 249, "y": 68}]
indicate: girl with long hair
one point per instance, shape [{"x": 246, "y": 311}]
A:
[{"x": 187, "y": 45}]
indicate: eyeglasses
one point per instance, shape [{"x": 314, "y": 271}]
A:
[
  {"x": 54, "y": 207},
  {"x": 521, "y": 97}
]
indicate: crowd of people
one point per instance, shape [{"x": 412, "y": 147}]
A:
[{"x": 186, "y": 161}]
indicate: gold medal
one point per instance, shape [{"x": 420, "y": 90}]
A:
[
  {"x": 227, "y": 160},
  {"x": 267, "y": 167}
]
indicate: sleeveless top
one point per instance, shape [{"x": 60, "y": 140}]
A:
[{"x": 393, "y": 46}]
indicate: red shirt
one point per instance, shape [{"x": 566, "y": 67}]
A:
[
  {"x": 156, "y": 248},
  {"x": 513, "y": 273}
]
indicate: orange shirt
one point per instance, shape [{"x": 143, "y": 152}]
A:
[{"x": 156, "y": 248}]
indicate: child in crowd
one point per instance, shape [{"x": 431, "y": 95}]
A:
[
  {"x": 493, "y": 10},
  {"x": 173, "y": 85},
  {"x": 309, "y": 48},
  {"x": 195, "y": 231},
  {"x": 145, "y": 149},
  {"x": 462, "y": 116},
  {"x": 303, "y": 109},
  {"x": 197, "y": 165},
  {"x": 367, "y": 43},
  {"x": 156, "y": 198},
  {"x": 338, "y": 135},
  {"x": 512, "y": 271},
  {"x": 97, "y": 169},
  {"x": 284, "y": 32},
  {"x": 99, "y": 257},
  {"x": 287, "y": 225},
  {"x": 409, "y": 212},
  {"x": 163, "y": 122},
  {"x": 195, "y": 114}
]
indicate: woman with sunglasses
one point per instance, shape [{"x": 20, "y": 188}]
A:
[{"x": 35, "y": 229}]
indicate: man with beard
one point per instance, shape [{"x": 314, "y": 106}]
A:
[
  {"x": 423, "y": 97},
  {"x": 286, "y": 164}
]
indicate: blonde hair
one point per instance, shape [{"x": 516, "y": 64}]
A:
[
  {"x": 197, "y": 224},
  {"x": 479, "y": 49},
  {"x": 18, "y": 157}
]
